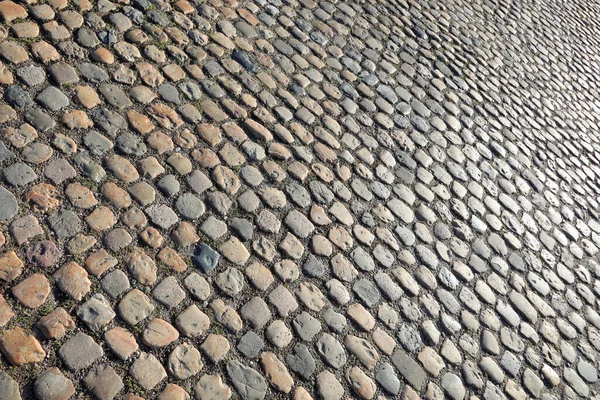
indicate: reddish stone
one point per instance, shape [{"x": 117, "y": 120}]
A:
[
  {"x": 159, "y": 333},
  {"x": 170, "y": 258},
  {"x": 44, "y": 51},
  {"x": 6, "y": 313},
  {"x": 139, "y": 122},
  {"x": 102, "y": 55},
  {"x": 98, "y": 262},
  {"x": 117, "y": 196},
  {"x": 121, "y": 342},
  {"x": 33, "y": 291},
  {"x": 80, "y": 196},
  {"x": 43, "y": 253},
  {"x": 210, "y": 134},
  {"x": 56, "y": 324},
  {"x": 72, "y": 279},
  {"x": 101, "y": 219},
  {"x": 11, "y": 11},
  {"x": 87, "y": 96},
  {"x": 11, "y": 266},
  {"x": 43, "y": 197},
  {"x": 19, "y": 348}
]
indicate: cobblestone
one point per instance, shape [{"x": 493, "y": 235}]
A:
[{"x": 302, "y": 199}]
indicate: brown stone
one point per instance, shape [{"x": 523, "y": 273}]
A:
[
  {"x": 80, "y": 196},
  {"x": 19, "y": 348},
  {"x": 215, "y": 347},
  {"x": 160, "y": 142},
  {"x": 134, "y": 218},
  {"x": 98, "y": 262},
  {"x": 87, "y": 96},
  {"x": 6, "y": 312},
  {"x": 77, "y": 119},
  {"x": 206, "y": 157},
  {"x": 72, "y": 279},
  {"x": 11, "y": 266},
  {"x": 362, "y": 385},
  {"x": 170, "y": 258},
  {"x": 9, "y": 11},
  {"x": 122, "y": 168},
  {"x": 25, "y": 30},
  {"x": 117, "y": 196},
  {"x": 173, "y": 392},
  {"x": 121, "y": 342},
  {"x": 102, "y": 55},
  {"x": 80, "y": 243},
  {"x": 149, "y": 74},
  {"x": 185, "y": 235},
  {"x": 21, "y": 136},
  {"x": 56, "y": 324},
  {"x": 44, "y": 51},
  {"x": 260, "y": 276},
  {"x": 6, "y": 76},
  {"x": 257, "y": 130},
  {"x": 141, "y": 266},
  {"x": 102, "y": 218},
  {"x": 361, "y": 316},
  {"x": 210, "y": 134},
  {"x": 43, "y": 197},
  {"x": 33, "y": 291},
  {"x": 226, "y": 179},
  {"x": 139, "y": 122},
  {"x": 159, "y": 333},
  {"x": 152, "y": 237},
  {"x": 226, "y": 315},
  {"x": 165, "y": 116},
  {"x": 276, "y": 372}
]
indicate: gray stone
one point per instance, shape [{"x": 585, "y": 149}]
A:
[
  {"x": 19, "y": 174},
  {"x": 9, "y": 387},
  {"x": 205, "y": 258},
  {"x": 250, "y": 345},
  {"x": 115, "y": 282},
  {"x": 249, "y": 384},
  {"x": 242, "y": 228},
  {"x": 80, "y": 352},
  {"x": 53, "y": 98},
  {"x": 52, "y": 384},
  {"x": 162, "y": 215},
  {"x": 301, "y": 361},
  {"x": 331, "y": 350},
  {"x": 453, "y": 386},
  {"x": 306, "y": 326},
  {"x": 189, "y": 206},
  {"x": 39, "y": 119},
  {"x": 65, "y": 223},
  {"x": 96, "y": 312},
  {"x": 8, "y": 205},
  {"x": 387, "y": 378},
  {"x": 32, "y": 75},
  {"x": 409, "y": 369},
  {"x": 367, "y": 292}
]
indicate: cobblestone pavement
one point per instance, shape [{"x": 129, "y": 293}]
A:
[{"x": 297, "y": 199}]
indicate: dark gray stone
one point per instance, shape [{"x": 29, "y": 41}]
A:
[
  {"x": 205, "y": 258},
  {"x": 301, "y": 361}
]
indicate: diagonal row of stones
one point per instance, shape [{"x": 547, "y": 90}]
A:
[{"x": 299, "y": 199}]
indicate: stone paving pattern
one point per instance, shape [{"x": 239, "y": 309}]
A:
[{"x": 293, "y": 199}]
